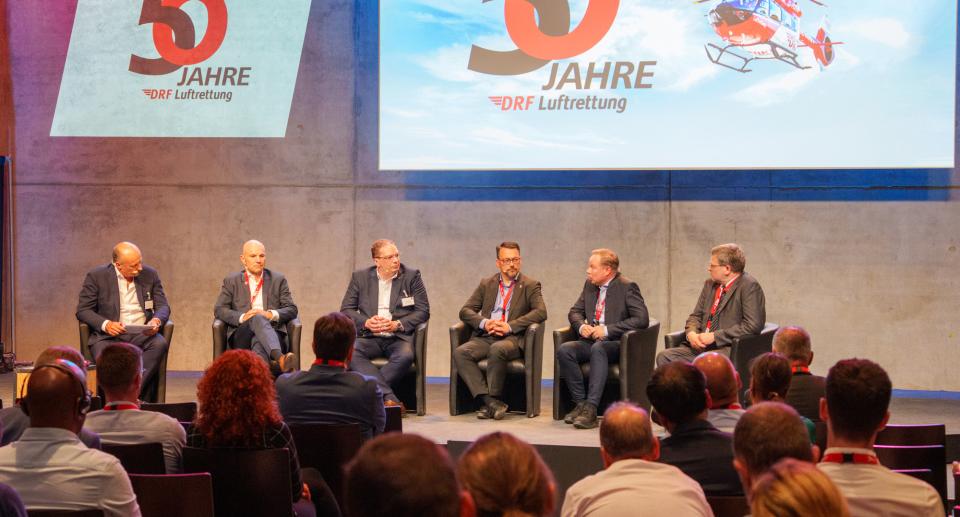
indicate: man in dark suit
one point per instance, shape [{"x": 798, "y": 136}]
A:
[
  {"x": 123, "y": 293},
  {"x": 499, "y": 312},
  {"x": 386, "y": 302},
  {"x": 609, "y": 305},
  {"x": 806, "y": 389},
  {"x": 256, "y": 305},
  {"x": 327, "y": 393},
  {"x": 679, "y": 396},
  {"x": 731, "y": 305}
]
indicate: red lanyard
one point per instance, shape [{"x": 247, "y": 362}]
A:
[
  {"x": 504, "y": 300},
  {"x": 732, "y": 405},
  {"x": 119, "y": 406},
  {"x": 256, "y": 291},
  {"x": 721, "y": 289},
  {"x": 330, "y": 362},
  {"x": 851, "y": 457},
  {"x": 601, "y": 305},
  {"x": 800, "y": 369}
]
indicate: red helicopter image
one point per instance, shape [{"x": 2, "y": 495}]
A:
[{"x": 764, "y": 29}]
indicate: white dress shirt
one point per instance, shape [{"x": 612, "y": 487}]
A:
[
  {"x": 725, "y": 419},
  {"x": 132, "y": 426},
  {"x": 385, "y": 287},
  {"x": 52, "y": 470},
  {"x": 130, "y": 311},
  {"x": 257, "y": 301}
]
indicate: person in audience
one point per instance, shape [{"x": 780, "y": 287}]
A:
[
  {"x": 404, "y": 475},
  {"x": 806, "y": 389},
  {"x": 680, "y": 399},
  {"x": 499, "y": 312},
  {"x": 724, "y": 384},
  {"x": 609, "y": 306},
  {"x": 765, "y": 434},
  {"x": 238, "y": 409},
  {"x": 506, "y": 477},
  {"x": 48, "y": 466},
  {"x": 633, "y": 482},
  {"x": 327, "y": 392},
  {"x": 14, "y": 421},
  {"x": 794, "y": 488},
  {"x": 731, "y": 306},
  {"x": 769, "y": 382},
  {"x": 856, "y": 409},
  {"x": 10, "y": 503},
  {"x": 119, "y": 374}
]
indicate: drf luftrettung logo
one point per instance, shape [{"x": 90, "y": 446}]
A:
[{"x": 552, "y": 39}]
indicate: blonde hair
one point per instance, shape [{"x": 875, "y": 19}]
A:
[
  {"x": 608, "y": 258},
  {"x": 796, "y": 488},
  {"x": 506, "y": 477}
]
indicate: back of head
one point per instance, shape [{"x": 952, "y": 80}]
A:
[
  {"x": 50, "y": 355},
  {"x": 237, "y": 400},
  {"x": 793, "y": 342},
  {"x": 677, "y": 391},
  {"x": 767, "y": 433},
  {"x": 401, "y": 475},
  {"x": 333, "y": 336},
  {"x": 56, "y": 396},
  {"x": 793, "y": 488},
  {"x": 118, "y": 366},
  {"x": 770, "y": 377},
  {"x": 723, "y": 382},
  {"x": 506, "y": 476},
  {"x": 625, "y": 432},
  {"x": 858, "y": 395}
]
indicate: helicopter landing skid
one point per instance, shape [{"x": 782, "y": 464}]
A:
[{"x": 778, "y": 52}]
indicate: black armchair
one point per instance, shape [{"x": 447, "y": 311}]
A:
[
  {"x": 294, "y": 329},
  {"x": 160, "y": 384},
  {"x": 626, "y": 380},
  {"x": 412, "y": 389},
  {"x": 526, "y": 370}
]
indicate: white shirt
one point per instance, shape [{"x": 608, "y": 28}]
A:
[
  {"x": 130, "y": 311},
  {"x": 636, "y": 487},
  {"x": 383, "y": 299},
  {"x": 725, "y": 419},
  {"x": 52, "y": 470},
  {"x": 257, "y": 301},
  {"x": 877, "y": 490},
  {"x": 132, "y": 426}
]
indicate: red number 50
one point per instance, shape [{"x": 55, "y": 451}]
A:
[{"x": 174, "y": 35}]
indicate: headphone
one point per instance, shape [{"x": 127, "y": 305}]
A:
[{"x": 70, "y": 368}]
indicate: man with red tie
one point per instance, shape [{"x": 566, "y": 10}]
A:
[{"x": 731, "y": 305}]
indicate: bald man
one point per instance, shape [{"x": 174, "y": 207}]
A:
[
  {"x": 723, "y": 383},
  {"x": 126, "y": 292},
  {"x": 256, "y": 305}
]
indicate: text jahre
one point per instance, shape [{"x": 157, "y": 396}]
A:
[
  {"x": 220, "y": 76},
  {"x": 631, "y": 75}
]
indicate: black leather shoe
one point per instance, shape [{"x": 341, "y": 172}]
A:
[
  {"x": 588, "y": 418},
  {"x": 497, "y": 409},
  {"x": 574, "y": 413}
]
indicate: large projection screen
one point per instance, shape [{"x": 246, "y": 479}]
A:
[{"x": 666, "y": 84}]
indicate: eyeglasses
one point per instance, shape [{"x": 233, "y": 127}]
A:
[
  {"x": 389, "y": 257},
  {"x": 514, "y": 260},
  {"x": 714, "y": 265}
]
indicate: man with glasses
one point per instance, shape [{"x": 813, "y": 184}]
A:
[
  {"x": 386, "y": 302},
  {"x": 731, "y": 305},
  {"x": 499, "y": 312}
]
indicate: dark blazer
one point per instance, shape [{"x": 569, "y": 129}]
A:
[
  {"x": 360, "y": 300},
  {"x": 742, "y": 310},
  {"x": 234, "y": 300},
  {"x": 705, "y": 454},
  {"x": 804, "y": 394},
  {"x": 100, "y": 298},
  {"x": 14, "y": 422},
  {"x": 526, "y": 304},
  {"x": 330, "y": 395},
  {"x": 623, "y": 310}
]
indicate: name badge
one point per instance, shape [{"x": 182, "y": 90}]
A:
[
  {"x": 148, "y": 305},
  {"x": 406, "y": 302}
]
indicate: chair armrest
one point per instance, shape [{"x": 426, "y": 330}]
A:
[
  {"x": 459, "y": 334},
  {"x": 420, "y": 346},
  {"x": 562, "y": 335},
  {"x": 294, "y": 334},
  {"x": 168, "y": 331},
  {"x": 533, "y": 346},
  {"x": 674, "y": 339},
  {"x": 638, "y": 348},
  {"x": 219, "y": 337},
  {"x": 85, "y": 342}
]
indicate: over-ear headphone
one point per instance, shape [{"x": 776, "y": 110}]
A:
[{"x": 70, "y": 368}]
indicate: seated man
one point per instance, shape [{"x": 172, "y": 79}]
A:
[
  {"x": 724, "y": 384},
  {"x": 122, "y": 293},
  {"x": 49, "y": 467},
  {"x": 731, "y": 305},
  {"x": 327, "y": 393},
  {"x": 632, "y": 482},
  {"x": 769, "y": 382},
  {"x": 121, "y": 421},
  {"x": 856, "y": 409},
  {"x": 679, "y": 396},
  {"x": 767, "y": 433},
  {"x": 386, "y": 303},
  {"x": 609, "y": 306},
  {"x": 14, "y": 421},
  {"x": 256, "y": 305},
  {"x": 499, "y": 311},
  {"x": 806, "y": 389}
]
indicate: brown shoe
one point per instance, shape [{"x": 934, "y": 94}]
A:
[
  {"x": 287, "y": 362},
  {"x": 394, "y": 403}
]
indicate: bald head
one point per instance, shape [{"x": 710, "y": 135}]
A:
[
  {"x": 54, "y": 392},
  {"x": 723, "y": 381},
  {"x": 625, "y": 432},
  {"x": 254, "y": 257},
  {"x": 127, "y": 259},
  {"x": 793, "y": 342}
]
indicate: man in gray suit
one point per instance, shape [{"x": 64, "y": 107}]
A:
[
  {"x": 126, "y": 292},
  {"x": 499, "y": 312},
  {"x": 609, "y": 306},
  {"x": 386, "y": 303},
  {"x": 256, "y": 305},
  {"x": 731, "y": 305},
  {"x": 806, "y": 389}
]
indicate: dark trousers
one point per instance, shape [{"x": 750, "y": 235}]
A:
[
  {"x": 686, "y": 353},
  {"x": 399, "y": 354},
  {"x": 258, "y": 335},
  {"x": 599, "y": 354},
  {"x": 498, "y": 351},
  {"x": 154, "y": 350}
]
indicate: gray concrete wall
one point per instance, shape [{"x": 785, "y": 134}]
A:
[{"x": 869, "y": 266}]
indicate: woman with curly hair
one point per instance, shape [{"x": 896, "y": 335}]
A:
[{"x": 506, "y": 477}]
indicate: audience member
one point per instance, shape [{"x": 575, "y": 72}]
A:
[
  {"x": 855, "y": 410},
  {"x": 724, "y": 384},
  {"x": 632, "y": 482},
  {"x": 769, "y": 382},
  {"x": 119, "y": 374},
  {"x": 404, "y": 475},
  {"x": 680, "y": 399},
  {"x": 49, "y": 467},
  {"x": 10, "y": 503},
  {"x": 506, "y": 477},
  {"x": 793, "y": 488},
  {"x": 806, "y": 389},
  {"x": 327, "y": 393},
  {"x": 765, "y": 434}
]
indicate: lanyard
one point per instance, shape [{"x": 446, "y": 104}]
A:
[
  {"x": 721, "y": 289},
  {"x": 119, "y": 406},
  {"x": 732, "y": 405},
  {"x": 601, "y": 305},
  {"x": 256, "y": 291},
  {"x": 851, "y": 457},
  {"x": 800, "y": 369},
  {"x": 330, "y": 362},
  {"x": 505, "y": 299}
]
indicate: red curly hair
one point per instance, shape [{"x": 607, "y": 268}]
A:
[{"x": 237, "y": 401}]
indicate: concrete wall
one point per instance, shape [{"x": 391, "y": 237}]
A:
[{"x": 867, "y": 261}]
